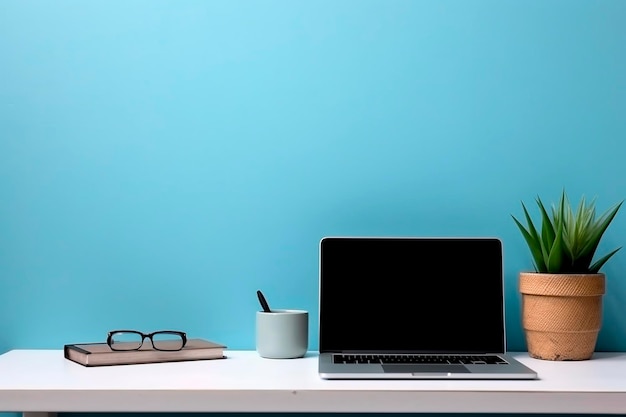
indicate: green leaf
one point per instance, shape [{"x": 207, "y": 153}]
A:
[
  {"x": 533, "y": 245},
  {"x": 547, "y": 228},
  {"x": 597, "y": 229},
  {"x": 600, "y": 262},
  {"x": 555, "y": 258}
]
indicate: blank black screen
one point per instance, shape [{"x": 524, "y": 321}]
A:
[{"x": 411, "y": 294}]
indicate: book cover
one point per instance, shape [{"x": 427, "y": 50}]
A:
[{"x": 100, "y": 354}]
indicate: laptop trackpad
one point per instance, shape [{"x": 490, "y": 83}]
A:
[{"x": 424, "y": 368}]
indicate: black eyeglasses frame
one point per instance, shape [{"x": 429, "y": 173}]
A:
[{"x": 150, "y": 336}]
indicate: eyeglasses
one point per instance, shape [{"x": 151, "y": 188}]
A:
[{"x": 167, "y": 340}]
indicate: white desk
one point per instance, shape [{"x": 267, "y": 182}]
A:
[{"x": 42, "y": 381}]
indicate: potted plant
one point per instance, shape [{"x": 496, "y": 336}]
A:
[{"x": 562, "y": 299}]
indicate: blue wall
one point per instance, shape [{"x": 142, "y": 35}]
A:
[{"x": 160, "y": 161}]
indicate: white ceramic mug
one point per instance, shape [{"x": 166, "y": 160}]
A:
[{"x": 282, "y": 334}]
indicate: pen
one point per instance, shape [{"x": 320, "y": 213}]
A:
[{"x": 263, "y": 301}]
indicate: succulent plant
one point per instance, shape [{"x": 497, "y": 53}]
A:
[{"x": 567, "y": 240}]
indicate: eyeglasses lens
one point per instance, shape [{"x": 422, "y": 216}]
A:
[
  {"x": 126, "y": 340},
  {"x": 167, "y": 341}
]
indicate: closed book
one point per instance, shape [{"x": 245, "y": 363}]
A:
[{"x": 100, "y": 354}]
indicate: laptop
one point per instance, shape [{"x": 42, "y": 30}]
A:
[{"x": 413, "y": 308}]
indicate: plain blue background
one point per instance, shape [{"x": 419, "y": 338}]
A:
[{"x": 160, "y": 161}]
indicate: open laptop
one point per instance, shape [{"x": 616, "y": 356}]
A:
[{"x": 413, "y": 308}]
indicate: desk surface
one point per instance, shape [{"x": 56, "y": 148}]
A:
[{"x": 43, "y": 381}]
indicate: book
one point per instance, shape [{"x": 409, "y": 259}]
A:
[{"x": 100, "y": 354}]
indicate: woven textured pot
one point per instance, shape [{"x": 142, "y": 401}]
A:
[{"x": 561, "y": 314}]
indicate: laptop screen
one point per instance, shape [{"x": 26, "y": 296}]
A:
[{"x": 428, "y": 295}]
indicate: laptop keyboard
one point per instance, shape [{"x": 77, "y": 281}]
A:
[{"x": 412, "y": 358}]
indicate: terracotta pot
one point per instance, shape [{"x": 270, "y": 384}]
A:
[{"x": 561, "y": 314}]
